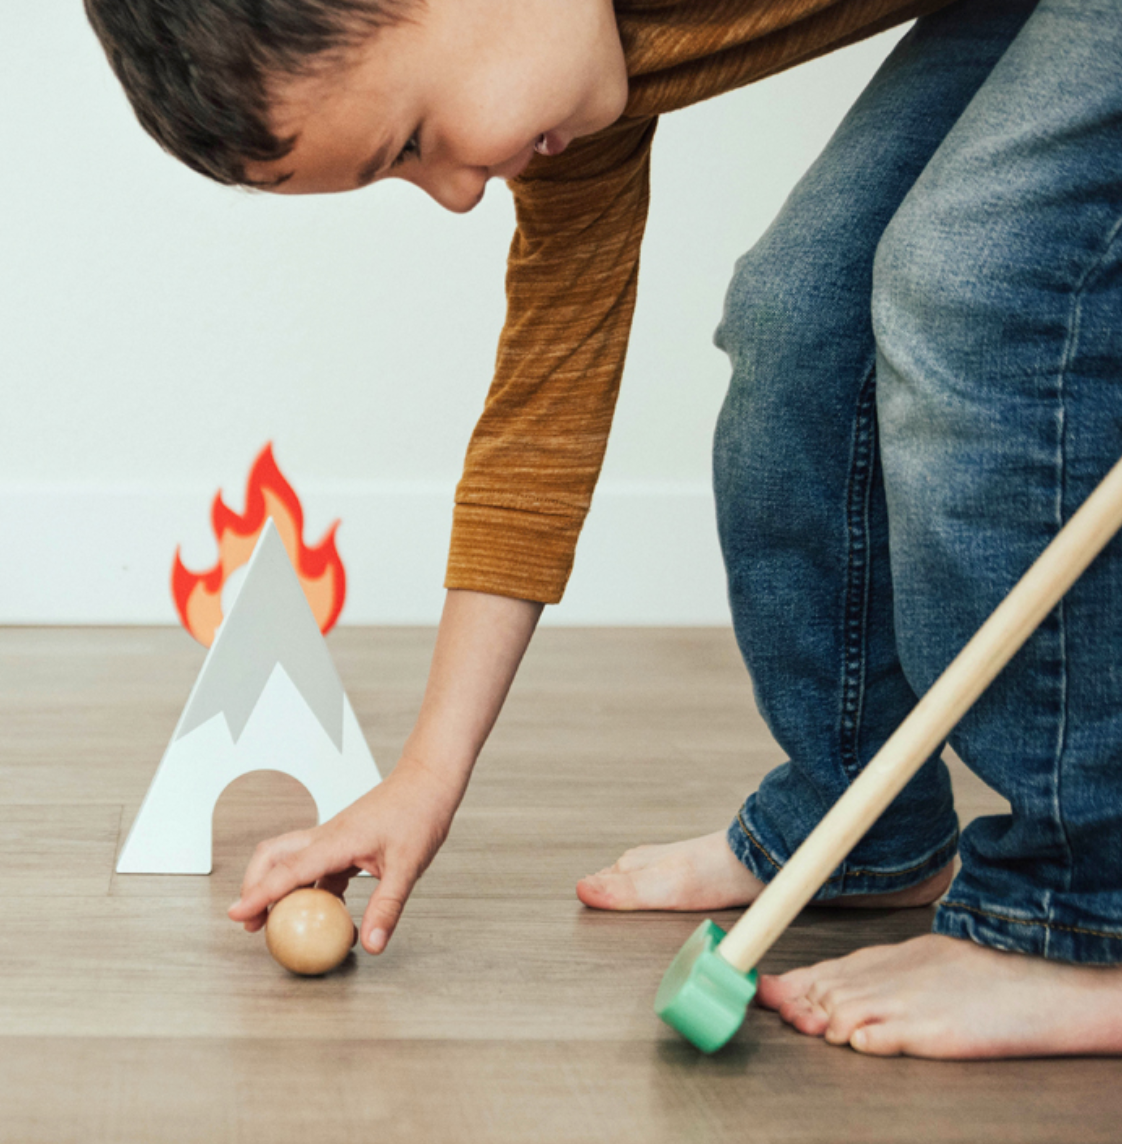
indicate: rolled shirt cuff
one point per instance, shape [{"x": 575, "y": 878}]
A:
[{"x": 512, "y": 552}]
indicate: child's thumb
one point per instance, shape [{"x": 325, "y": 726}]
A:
[{"x": 383, "y": 911}]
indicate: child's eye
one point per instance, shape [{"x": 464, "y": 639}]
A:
[{"x": 412, "y": 148}]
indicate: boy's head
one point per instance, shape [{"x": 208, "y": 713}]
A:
[
  {"x": 306, "y": 96},
  {"x": 200, "y": 74}
]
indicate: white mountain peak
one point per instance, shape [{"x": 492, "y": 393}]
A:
[{"x": 270, "y": 623}]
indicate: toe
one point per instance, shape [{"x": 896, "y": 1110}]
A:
[
  {"x": 774, "y": 991},
  {"x": 877, "y": 1039},
  {"x": 845, "y": 1018},
  {"x": 609, "y": 891},
  {"x": 593, "y": 893},
  {"x": 805, "y": 1016}
]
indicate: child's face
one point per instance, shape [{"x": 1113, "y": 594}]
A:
[{"x": 458, "y": 95}]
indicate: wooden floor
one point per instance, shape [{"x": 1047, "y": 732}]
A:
[{"x": 132, "y": 1010}]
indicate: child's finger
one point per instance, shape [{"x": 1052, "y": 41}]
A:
[
  {"x": 290, "y": 872},
  {"x": 383, "y": 911},
  {"x": 291, "y": 868},
  {"x": 267, "y": 854}
]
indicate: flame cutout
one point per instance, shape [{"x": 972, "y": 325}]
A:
[{"x": 198, "y": 595}]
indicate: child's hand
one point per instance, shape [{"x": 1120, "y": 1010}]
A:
[{"x": 393, "y": 832}]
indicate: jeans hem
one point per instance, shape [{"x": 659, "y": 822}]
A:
[
  {"x": 845, "y": 881},
  {"x": 1000, "y": 927}
]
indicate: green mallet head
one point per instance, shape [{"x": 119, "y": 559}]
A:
[{"x": 701, "y": 995}]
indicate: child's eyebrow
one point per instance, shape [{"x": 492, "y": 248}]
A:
[{"x": 372, "y": 166}]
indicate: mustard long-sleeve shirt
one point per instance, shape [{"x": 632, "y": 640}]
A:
[{"x": 536, "y": 453}]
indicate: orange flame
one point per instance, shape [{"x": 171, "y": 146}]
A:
[{"x": 198, "y": 595}]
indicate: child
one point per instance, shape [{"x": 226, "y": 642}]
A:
[{"x": 925, "y": 351}]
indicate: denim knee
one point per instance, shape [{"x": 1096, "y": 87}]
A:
[
  {"x": 779, "y": 426},
  {"x": 752, "y": 331}
]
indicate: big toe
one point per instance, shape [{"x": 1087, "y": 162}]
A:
[
  {"x": 615, "y": 889},
  {"x": 608, "y": 890},
  {"x": 596, "y": 890}
]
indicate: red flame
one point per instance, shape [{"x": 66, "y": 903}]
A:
[{"x": 198, "y": 595}]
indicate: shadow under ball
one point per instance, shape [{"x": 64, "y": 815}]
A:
[{"x": 309, "y": 932}]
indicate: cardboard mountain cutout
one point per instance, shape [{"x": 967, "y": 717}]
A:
[{"x": 268, "y": 698}]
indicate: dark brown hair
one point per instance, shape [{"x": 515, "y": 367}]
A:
[{"x": 198, "y": 72}]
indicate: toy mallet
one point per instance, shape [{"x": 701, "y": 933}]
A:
[{"x": 706, "y": 991}]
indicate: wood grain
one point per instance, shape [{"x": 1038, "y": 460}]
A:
[{"x": 132, "y": 1010}]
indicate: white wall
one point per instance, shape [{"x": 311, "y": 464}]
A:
[{"x": 156, "y": 330}]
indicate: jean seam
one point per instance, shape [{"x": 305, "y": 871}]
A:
[
  {"x": 1070, "y": 347},
  {"x": 858, "y": 495},
  {"x": 1061, "y": 698},
  {"x": 1047, "y": 925},
  {"x": 755, "y": 841},
  {"x": 846, "y": 873}
]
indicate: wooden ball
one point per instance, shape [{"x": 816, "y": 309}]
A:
[{"x": 309, "y": 932}]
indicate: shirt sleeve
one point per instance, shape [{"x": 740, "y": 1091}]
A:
[{"x": 536, "y": 452}]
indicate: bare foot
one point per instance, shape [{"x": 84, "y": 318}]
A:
[
  {"x": 941, "y": 997},
  {"x": 704, "y": 874}
]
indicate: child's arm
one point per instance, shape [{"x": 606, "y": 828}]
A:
[
  {"x": 528, "y": 481},
  {"x": 395, "y": 830}
]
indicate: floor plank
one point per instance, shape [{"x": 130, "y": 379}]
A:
[
  {"x": 42, "y": 843},
  {"x": 180, "y": 1091}
]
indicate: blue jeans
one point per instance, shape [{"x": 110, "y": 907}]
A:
[{"x": 927, "y": 381}]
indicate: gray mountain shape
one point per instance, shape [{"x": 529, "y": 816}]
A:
[{"x": 269, "y": 623}]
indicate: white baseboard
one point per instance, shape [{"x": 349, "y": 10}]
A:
[{"x": 88, "y": 554}]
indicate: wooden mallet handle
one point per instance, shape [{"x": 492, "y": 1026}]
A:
[{"x": 930, "y": 722}]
